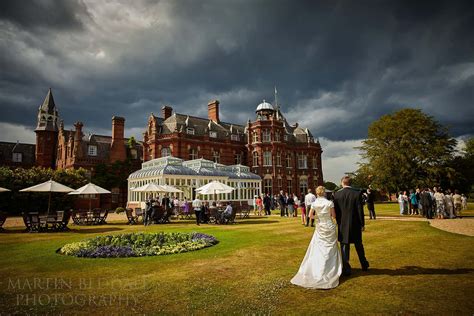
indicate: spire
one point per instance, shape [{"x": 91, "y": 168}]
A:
[
  {"x": 48, "y": 114},
  {"x": 48, "y": 105}
]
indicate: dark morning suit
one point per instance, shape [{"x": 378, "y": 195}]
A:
[
  {"x": 426, "y": 203},
  {"x": 350, "y": 221}
]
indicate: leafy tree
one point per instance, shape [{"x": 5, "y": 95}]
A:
[
  {"x": 330, "y": 185},
  {"x": 461, "y": 170},
  {"x": 406, "y": 149}
]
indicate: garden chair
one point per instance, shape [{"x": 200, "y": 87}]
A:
[
  {"x": 132, "y": 219},
  {"x": 103, "y": 216},
  {"x": 65, "y": 221}
]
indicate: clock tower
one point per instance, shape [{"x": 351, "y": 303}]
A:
[{"x": 47, "y": 133}]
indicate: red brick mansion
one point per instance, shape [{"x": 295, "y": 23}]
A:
[{"x": 287, "y": 157}]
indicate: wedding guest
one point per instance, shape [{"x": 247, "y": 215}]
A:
[
  {"x": 297, "y": 204},
  {"x": 401, "y": 203},
  {"x": 413, "y": 203},
  {"x": 227, "y": 214},
  {"x": 186, "y": 207},
  {"x": 427, "y": 203},
  {"x": 267, "y": 202},
  {"x": 176, "y": 207},
  {"x": 254, "y": 204},
  {"x": 303, "y": 211},
  {"x": 259, "y": 203},
  {"x": 405, "y": 203},
  {"x": 464, "y": 202},
  {"x": 197, "y": 205},
  {"x": 283, "y": 204},
  {"x": 457, "y": 200},
  {"x": 418, "y": 197},
  {"x": 439, "y": 198},
  {"x": 308, "y": 201},
  {"x": 290, "y": 204},
  {"x": 370, "y": 202},
  {"x": 448, "y": 201}
]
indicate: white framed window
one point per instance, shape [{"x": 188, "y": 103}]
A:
[
  {"x": 285, "y": 137},
  {"x": 17, "y": 157},
  {"x": 278, "y": 159},
  {"x": 213, "y": 134},
  {"x": 92, "y": 150},
  {"x": 234, "y": 137},
  {"x": 254, "y": 137},
  {"x": 267, "y": 185},
  {"x": 190, "y": 130},
  {"x": 315, "y": 162},
  {"x": 255, "y": 158},
  {"x": 302, "y": 162},
  {"x": 267, "y": 158},
  {"x": 288, "y": 160},
  {"x": 277, "y": 136},
  {"x": 193, "y": 154},
  {"x": 216, "y": 156},
  {"x": 238, "y": 159},
  {"x": 303, "y": 186},
  {"x": 165, "y": 152},
  {"x": 266, "y": 137}
]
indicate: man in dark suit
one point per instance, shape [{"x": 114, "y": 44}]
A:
[
  {"x": 426, "y": 203},
  {"x": 350, "y": 221}
]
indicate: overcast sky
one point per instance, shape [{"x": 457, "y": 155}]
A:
[{"x": 337, "y": 65}]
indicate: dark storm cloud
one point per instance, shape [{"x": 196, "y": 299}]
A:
[{"x": 335, "y": 63}]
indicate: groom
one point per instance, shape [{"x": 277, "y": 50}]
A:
[{"x": 350, "y": 221}]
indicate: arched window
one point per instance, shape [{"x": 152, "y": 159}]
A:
[{"x": 165, "y": 152}]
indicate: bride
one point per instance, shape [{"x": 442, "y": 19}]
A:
[{"x": 322, "y": 264}]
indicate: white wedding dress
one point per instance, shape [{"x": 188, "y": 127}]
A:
[{"x": 322, "y": 264}]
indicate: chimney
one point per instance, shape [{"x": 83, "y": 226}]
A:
[
  {"x": 166, "y": 111},
  {"x": 117, "y": 148},
  {"x": 213, "y": 111},
  {"x": 78, "y": 140}
]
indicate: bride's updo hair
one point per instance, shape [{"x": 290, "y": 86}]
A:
[{"x": 320, "y": 191}]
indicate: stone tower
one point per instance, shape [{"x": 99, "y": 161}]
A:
[{"x": 47, "y": 133}]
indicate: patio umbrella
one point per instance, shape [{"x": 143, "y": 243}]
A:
[
  {"x": 90, "y": 188},
  {"x": 170, "y": 189},
  {"x": 149, "y": 187},
  {"x": 3, "y": 189},
  {"x": 48, "y": 186},
  {"x": 214, "y": 187}
]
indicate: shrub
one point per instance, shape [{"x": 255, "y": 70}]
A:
[{"x": 138, "y": 244}]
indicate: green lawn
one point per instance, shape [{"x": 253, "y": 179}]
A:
[{"x": 414, "y": 269}]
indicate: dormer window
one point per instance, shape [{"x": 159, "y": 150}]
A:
[
  {"x": 92, "y": 150},
  {"x": 213, "y": 134},
  {"x": 190, "y": 131},
  {"x": 234, "y": 137},
  {"x": 17, "y": 157}
]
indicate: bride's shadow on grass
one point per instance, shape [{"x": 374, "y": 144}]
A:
[{"x": 405, "y": 271}]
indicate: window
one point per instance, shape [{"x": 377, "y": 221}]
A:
[
  {"x": 289, "y": 186},
  {"x": 266, "y": 137},
  {"x": 285, "y": 138},
  {"x": 165, "y": 152},
  {"x": 278, "y": 159},
  {"x": 190, "y": 131},
  {"x": 255, "y": 158},
  {"x": 267, "y": 158},
  {"x": 193, "y": 154},
  {"x": 288, "y": 160},
  {"x": 303, "y": 186},
  {"x": 234, "y": 137},
  {"x": 315, "y": 162},
  {"x": 302, "y": 162},
  {"x": 267, "y": 185},
  {"x": 254, "y": 137},
  {"x": 216, "y": 157},
  {"x": 277, "y": 136},
  {"x": 134, "y": 153},
  {"x": 238, "y": 159},
  {"x": 92, "y": 150},
  {"x": 280, "y": 184},
  {"x": 17, "y": 157},
  {"x": 213, "y": 134}
]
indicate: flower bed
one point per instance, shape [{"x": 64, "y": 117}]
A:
[{"x": 138, "y": 244}]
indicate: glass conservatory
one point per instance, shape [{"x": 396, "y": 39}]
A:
[{"x": 192, "y": 174}]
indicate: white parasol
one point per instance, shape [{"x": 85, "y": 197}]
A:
[
  {"x": 48, "y": 186},
  {"x": 90, "y": 188}
]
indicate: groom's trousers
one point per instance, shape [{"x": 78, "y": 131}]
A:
[{"x": 346, "y": 250}]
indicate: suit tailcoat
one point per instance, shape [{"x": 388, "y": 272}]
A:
[{"x": 349, "y": 215}]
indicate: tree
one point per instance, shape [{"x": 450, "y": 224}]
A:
[
  {"x": 406, "y": 149},
  {"x": 330, "y": 185},
  {"x": 461, "y": 170}
]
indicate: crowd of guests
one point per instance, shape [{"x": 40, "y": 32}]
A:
[{"x": 432, "y": 203}]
